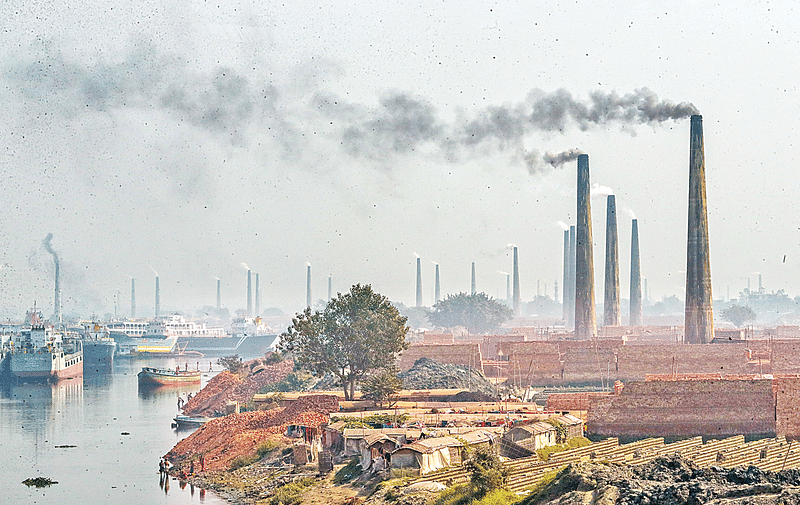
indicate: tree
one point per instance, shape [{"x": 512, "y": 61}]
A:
[
  {"x": 738, "y": 314},
  {"x": 357, "y": 332},
  {"x": 478, "y": 313},
  {"x": 382, "y": 386},
  {"x": 486, "y": 471}
]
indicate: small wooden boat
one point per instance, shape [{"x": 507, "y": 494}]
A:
[
  {"x": 182, "y": 421},
  {"x": 162, "y": 376}
]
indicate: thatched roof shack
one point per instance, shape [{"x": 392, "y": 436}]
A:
[{"x": 428, "y": 455}]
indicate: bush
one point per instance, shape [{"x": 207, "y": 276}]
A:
[
  {"x": 231, "y": 363},
  {"x": 487, "y": 472},
  {"x": 290, "y": 494}
]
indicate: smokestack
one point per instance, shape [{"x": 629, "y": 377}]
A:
[
  {"x": 760, "y": 287},
  {"x": 517, "y": 305},
  {"x": 636, "y": 278},
  {"x": 419, "y": 284},
  {"x": 258, "y": 298},
  {"x": 158, "y": 298},
  {"x": 555, "y": 290},
  {"x": 57, "y": 298},
  {"x": 611, "y": 315},
  {"x": 330, "y": 284},
  {"x": 571, "y": 290},
  {"x": 249, "y": 294},
  {"x": 219, "y": 297},
  {"x": 699, "y": 324},
  {"x": 133, "y": 298},
  {"x": 508, "y": 289},
  {"x": 645, "y": 294},
  {"x": 565, "y": 281},
  {"x": 308, "y": 286},
  {"x": 437, "y": 290},
  {"x": 473, "y": 279},
  {"x": 585, "y": 315},
  {"x": 539, "y": 287}
]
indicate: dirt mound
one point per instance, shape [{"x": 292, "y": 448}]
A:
[
  {"x": 471, "y": 396},
  {"x": 670, "y": 480},
  {"x": 227, "y": 387},
  {"x": 429, "y": 374},
  {"x": 225, "y": 439}
]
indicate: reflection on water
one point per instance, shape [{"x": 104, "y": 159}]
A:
[{"x": 100, "y": 437}]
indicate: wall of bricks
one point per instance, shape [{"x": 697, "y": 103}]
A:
[
  {"x": 714, "y": 408},
  {"x": 787, "y": 406},
  {"x": 786, "y": 357},
  {"x": 453, "y": 354},
  {"x": 563, "y": 402}
]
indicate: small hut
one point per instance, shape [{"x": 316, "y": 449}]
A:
[{"x": 428, "y": 455}]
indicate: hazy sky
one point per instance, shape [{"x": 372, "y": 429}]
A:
[{"x": 190, "y": 138}]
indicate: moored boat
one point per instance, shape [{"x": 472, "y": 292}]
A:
[
  {"x": 39, "y": 352},
  {"x": 98, "y": 346},
  {"x": 164, "y": 376},
  {"x": 182, "y": 421}
]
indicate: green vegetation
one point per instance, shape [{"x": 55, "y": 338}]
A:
[
  {"x": 262, "y": 450},
  {"x": 486, "y": 472},
  {"x": 291, "y": 493},
  {"x": 295, "y": 381},
  {"x": 561, "y": 431},
  {"x": 573, "y": 443},
  {"x": 39, "y": 482},
  {"x": 479, "y": 313},
  {"x": 357, "y": 332},
  {"x": 382, "y": 386},
  {"x": 347, "y": 472},
  {"x": 231, "y": 363},
  {"x": 546, "y": 488},
  {"x": 464, "y": 494},
  {"x": 738, "y": 315},
  {"x": 371, "y": 421}
]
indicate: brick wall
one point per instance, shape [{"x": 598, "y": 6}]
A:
[
  {"x": 787, "y": 406},
  {"x": 785, "y": 357},
  {"x": 685, "y": 408},
  {"x": 453, "y": 354},
  {"x": 563, "y": 402}
]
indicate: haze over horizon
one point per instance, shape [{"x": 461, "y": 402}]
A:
[{"x": 189, "y": 140}]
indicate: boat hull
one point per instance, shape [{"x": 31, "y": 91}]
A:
[
  {"x": 99, "y": 352},
  {"x": 46, "y": 365},
  {"x": 168, "y": 377}
]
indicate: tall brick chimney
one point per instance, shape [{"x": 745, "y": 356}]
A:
[
  {"x": 219, "y": 295},
  {"x": 571, "y": 280},
  {"x": 565, "y": 281},
  {"x": 257, "y": 310},
  {"x": 308, "y": 286},
  {"x": 249, "y": 294},
  {"x": 636, "y": 278},
  {"x": 158, "y": 298},
  {"x": 472, "y": 285},
  {"x": 585, "y": 315},
  {"x": 517, "y": 301},
  {"x": 699, "y": 323},
  {"x": 437, "y": 293},
  {"x": 133, "y": 298},
  {"x": 419, "y": 284},
  {"x": 611, "y": 316}
]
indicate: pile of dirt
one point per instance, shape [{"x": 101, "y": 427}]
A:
[
  {"x": 227, "y": 387},
  {"x": 223, "y": 440},
  {"x": 670, "y": 480},
  {"x": 429, "y": 374}
]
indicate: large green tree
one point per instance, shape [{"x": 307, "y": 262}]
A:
[
  {"x": 479, "y": 313},
  {"x": 356, "y": 333},
  {"x": 738, "y": 314}
]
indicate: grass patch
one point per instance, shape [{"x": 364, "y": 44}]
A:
[
  {"x": 347, "y": 472},
  {"x": 573, "y": 443},
  {"x": 466, "y": 494},
  {"x": 291, "y": 493},
  {"x": 543, "y": 488},
  {"x": 243, "y": 461}
]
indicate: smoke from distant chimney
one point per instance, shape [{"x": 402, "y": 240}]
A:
[{"x": 57, "y": 299}]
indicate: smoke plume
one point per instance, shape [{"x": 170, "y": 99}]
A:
[{"x": 49, "y": 247}]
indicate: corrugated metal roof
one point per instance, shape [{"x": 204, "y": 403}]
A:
[{"x": 429, "y": 445}]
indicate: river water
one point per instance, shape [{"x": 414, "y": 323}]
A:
[{"x": 119, "y": 432}]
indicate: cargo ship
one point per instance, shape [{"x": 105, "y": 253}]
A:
[
  {"x": 98, "y": 347},
  {"x": 39, "y": 352}
]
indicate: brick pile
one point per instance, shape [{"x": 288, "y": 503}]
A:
[
  {"x": 223, "y": 440},
  {"x": 227, "y": 387}
]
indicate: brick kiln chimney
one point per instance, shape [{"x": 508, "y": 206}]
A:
[
  {"x": 517, "y": 304},
  {"x": 330, "y": 287},
  {"x": 419, "y": 284},
  {"x": 473, "y": 289},
  {"x": 699, "y": 323},
  {"x": 437, "y": 294},
  {"x": 219, "y": 298},
  {"x": 565, "y": 281},
  {"x": 585, "y": 315},
  {"x": 571, "y": 280},
  {"x": 258, "y": 298},
  {"x": 308, "y": 286},
  {"x": 133, "y": 298},
  {"x": 249, "y": 294},
  {"x": 611, "y": 315},
  {"x": 636, "y": 278},
  {"x": 158, "y": 298}
]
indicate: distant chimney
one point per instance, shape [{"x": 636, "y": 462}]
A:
[
  {"x": 517, "y": 301},
  {"x": 760, "y": 287},
  {"x": 699, "y": 324},
  {"x": 571, "y": 291},
  {"x": 308, "y": 286},
  {"x": 219, "y": 297},
  {"x": 437, "y": 291},
  {"x": 419, "y": 284},
  {"x": 473, "y": 279},
  {"x": 249, "y": 294},
  {"x": 133, "y": 298},
  {"x": 158, "y": 298},
  {"x": 508, "y": 289},
  {"x": 258, "y": 298},
  {"x": 635, "y": 318},
  {"x": 585, "y": 315},
  {"x": 565, "y": 283},
  {"x": 611, "y": 315},
  {"x": 555, "y": 290},
  {"x": 330, "y": 287},
  {"x": 57, "y": 300}
]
